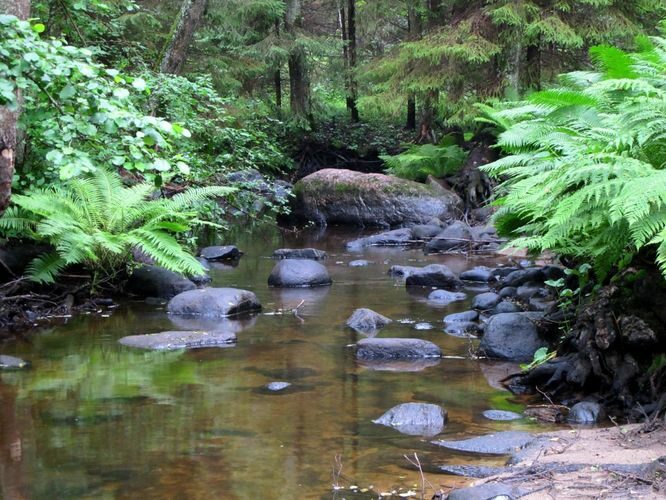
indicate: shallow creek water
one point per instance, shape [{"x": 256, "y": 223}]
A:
[{"x": 94, "y": 419}]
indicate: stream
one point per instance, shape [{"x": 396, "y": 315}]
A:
[{"x": 94, "y": 419}]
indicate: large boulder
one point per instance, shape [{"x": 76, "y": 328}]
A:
[
  {"x": 392, "y": 348},
  {"x": 154, "y": 281},
  {"x": 397, "y": 237},
  {"x": 437, "y": 275},
  {"x": 512, "y": 336},
  {"x": 294, "y": 273},
  {"x": 214, "y": 302},
  {"x": 170, "y": 341},
  {"x": 348, "y": 197},
  {"x": 299, "y": 253},
  {"x": 367, "y": 321},
  {"x": 415, "y": 419}
]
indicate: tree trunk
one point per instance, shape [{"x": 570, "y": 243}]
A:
[
  {"x": 299, "y": 83},
  {"x": 411, "y": 112},
  {"x": 277, "y": 77},
  {"x": 9, "y": 117},
  {"x": 533, "y": 68},
  {"x": 353, "y": 85},
  {"x": 189, "y": 20}
]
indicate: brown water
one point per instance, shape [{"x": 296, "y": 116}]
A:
[{"x": 94, "y": 419}]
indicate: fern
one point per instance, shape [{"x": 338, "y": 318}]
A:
[
  {"x": 584, "y": 172},
  {"x": 418, "y": 162},
  {"x": 95, "y": 221}
]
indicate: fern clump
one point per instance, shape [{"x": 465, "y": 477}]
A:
[
  {"x": 418, "y": 162},
  {"x": 96, "y": 221},
  {"x": 584, "y": 175}
]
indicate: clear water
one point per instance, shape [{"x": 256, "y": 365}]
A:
[{"x": 94, "y": 419}]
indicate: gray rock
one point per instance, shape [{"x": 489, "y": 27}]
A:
[
  {"x": 464, "y": 329},
  {"x": 226, "y": 252},
  {"x": 465, "y": 316},
  {"x": 402, "y": 271},
  {"x": 512, "y": 336},
  {"x": 367, "y": 321},
  {"x": 12, "y": 363},
  {"x": 457, "y": 235},
  {"x": 204, "y": 263},
  {"x": 501, "y": 415},
  {"x": 541, "y": 305},
  {"x": 506, "y": 307},
  {"x": 508, "y": 292},
  {"x": 525, "y": 293},
  {"x": 153, "y": 281},
  {"x": 358, "y": 263},
  {"x": 522, "y": 276},
  {"x": 399, "y": 365},
  {"x": 479, "y": 274},
  {"x": 214, "y": 302},
  {"x": 348, "y": 197},
  {"x": 436, "y": 275},
  {"x": 397, "y": 237},
  {"x": 292, "y": 273},
  {"x": 436, "y": 222},
  {"x": 488, "y": 491},
  {"x": 396, "y": 348},
  {"x": 486, "y": 301},
  {"x": 444, "y": 297},
  {"x": 425, "y": 232},
  {"x": 169, "y": 341},
  {"x": 277, "y": 386},
  {"x": 586, "y": 412},
  {"x": 415, "y": 419},
  {"x": 503, "y": 272},
  {"x": 475, "y": 471},
  {"x": 500, "y": 443},
  {"x": 201, "y": 279},
  {"x": 299, "y": 253}
]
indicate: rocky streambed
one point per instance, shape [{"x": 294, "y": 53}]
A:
[{"x": 315, "y": 367}]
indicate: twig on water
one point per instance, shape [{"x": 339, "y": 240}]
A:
[{"x": 417, "y": 463}]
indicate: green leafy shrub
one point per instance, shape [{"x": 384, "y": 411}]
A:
[
  {"x": 584, "y": 175},
  {"x": 78, "y": 114},
  {"x": 95, "y": 221},
  {"x": 418, "y": 162}
]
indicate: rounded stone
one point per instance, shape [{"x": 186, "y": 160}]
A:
[{"x": 294, "y": 273}]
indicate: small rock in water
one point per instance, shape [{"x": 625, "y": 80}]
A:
[
  {"x": 485, "y": 301},
  {"x": 296, "y": 273},
  {"x": 423, "y": 326},
  {"x": 12, "y": 363},
  {"x": 444, "y": 297},
  {"x": 299, "y": 253},
  {"x": 501, "y": 415},
  {"x": 415, "y": 419},
  {"x": 586, "y": 412},
  {"x": 277, "y": 386},
  {"x": 358, "y": 263},
  {"x": 500, "y": 443},
  {"x": 175, "y": 340},
  {"x": 226, "y": 252},
  {"x": 463, "y": 329},
  {"x": 396, "y": 349},
  {"x": 367, "y": 321},
  {"x": 462, "y": 317}
]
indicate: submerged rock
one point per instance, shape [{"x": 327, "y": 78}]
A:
[
  {"x": 294, "y": 273},
  {"x": 501, "y": 415},
  {"x": 393, "y": 348},
  {"x": 169, "y": 341},
  {"x": 397, "y": 237},
  {"x": 358, "y": 263},
  {"x": 457, "y": 235},
  {"x": 399, "y": 365},
  {"x": 367, "y": 321},
  {"x": 500, "y": 443},
  {"x": 277, "y": 386},
  {"x": 154, "y": 281},
  {"x": 214, "y": 302},
  {"x": 348, "y": 197},
  {"x": 444, "y": 297},
  {"x": 12, "y": 363},
  {"x": 512, "y": 336},
  {"x": 415, "y": 419},
  {"x": 299, "y": 253},
  {"x": 226, "y": 252},
  {"x": 437, "y": 275}
]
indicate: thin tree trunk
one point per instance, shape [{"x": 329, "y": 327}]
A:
[
  {"x": 532, "y": 71},
  {"x": 9, "y": 117},
  {"x": 277, "y": 77},
  {"x": 299, "y": 83},
  {"x": 189, "y": 20},
  {"x": 414, "y": 30},
  {"x": 411, "y": 112},
  {"x": 351, "y": 35}
]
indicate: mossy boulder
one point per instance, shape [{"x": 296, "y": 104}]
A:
[{"x": 348, "y": 197}]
